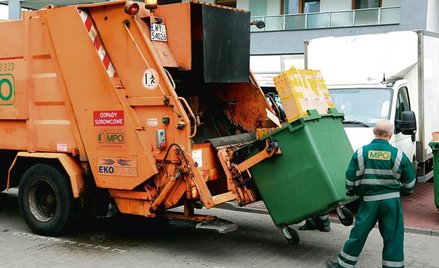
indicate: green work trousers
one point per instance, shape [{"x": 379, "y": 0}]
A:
[{"x": 389, "y": 215}]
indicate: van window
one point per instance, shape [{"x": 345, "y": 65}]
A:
[
  {"x": 363, "y": 105},
  {"x": 403, "y": 103}
]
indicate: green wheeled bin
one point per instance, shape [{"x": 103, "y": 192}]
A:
[
  {"x": 308, "y": 178},
  {"x": 435, "y": 148}
]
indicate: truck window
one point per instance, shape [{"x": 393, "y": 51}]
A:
[{"x": 403, "y": 103}]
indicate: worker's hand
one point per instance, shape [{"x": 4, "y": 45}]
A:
[
  {"x": 405, "y": 192},
  {"x": 351, "y": 193}
]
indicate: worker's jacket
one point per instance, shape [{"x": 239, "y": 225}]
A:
[{"x": 379, "y": 171}]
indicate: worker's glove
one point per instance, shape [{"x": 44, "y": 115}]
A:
[{"x": 405, "y": 192}]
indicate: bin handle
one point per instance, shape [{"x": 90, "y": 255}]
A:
[
  {"x": 298, "y": 124},
  {"x": 184, "y": 102}
]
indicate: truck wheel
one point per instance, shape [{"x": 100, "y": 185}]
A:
[{"x": 45, "y": 200}]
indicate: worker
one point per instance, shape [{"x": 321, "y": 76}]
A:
[
  {"x": 320, "y": 223},
  {"x": 378, "y": 173}
]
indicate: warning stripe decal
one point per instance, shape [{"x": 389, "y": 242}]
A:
[{"x": 93, "y": 33}]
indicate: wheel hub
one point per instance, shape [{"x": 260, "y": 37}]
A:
[{"x": 42, "y": 200}]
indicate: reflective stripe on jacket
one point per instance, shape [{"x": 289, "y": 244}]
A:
[{"x": 378, "y": 170}]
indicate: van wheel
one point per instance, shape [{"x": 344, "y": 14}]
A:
[{"x": 46, "y": 201}]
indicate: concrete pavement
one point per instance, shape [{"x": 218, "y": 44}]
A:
[
  {"x": 128, "y": 242},
  {"x": 409, "y": 217}
]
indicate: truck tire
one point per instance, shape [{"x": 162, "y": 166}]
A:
[{"x": 46, "y": 201}]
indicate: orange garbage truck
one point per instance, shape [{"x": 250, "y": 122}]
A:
[
  {"x": 126, "y": 105},
  {"x": 142, "y": 108}
]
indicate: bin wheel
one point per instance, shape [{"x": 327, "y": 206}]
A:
[
  {"x": 345, "y": 216},
  {"x": 291, "y": 235}
]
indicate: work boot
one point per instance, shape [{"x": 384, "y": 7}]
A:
[
  {"x": 325, "y": 229},
  {"x": 309, "y": 225},
  {"x": 322, "y": 223},
  {"x": 331, "y": 264},
  {"x": 324, "y": 226}
]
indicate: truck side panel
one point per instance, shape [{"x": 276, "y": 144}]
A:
[
  {"x": 13, "y": 86},
  {"x": 99, "y": 104},
  {"x": 30, "y": 85},
  {"x": 50, "y": 122},
  {"x": 133, "y": 55}
]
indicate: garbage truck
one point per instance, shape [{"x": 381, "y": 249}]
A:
[
  {"x": 384, "y": 76},
  {"x": 133, "y": 107}
]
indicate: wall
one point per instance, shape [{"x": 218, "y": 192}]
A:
[
  {"x": 391, "y": 3},
  {"x": 243, "y": 4},
  {"x": 3, "y": 12},
  {"x": 258, "y": 7},
  {"x": 273, "y": 7},
  {"x": 433, "y": 16}
]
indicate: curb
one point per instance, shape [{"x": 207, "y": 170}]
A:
[{"x": 407, "y": 229}]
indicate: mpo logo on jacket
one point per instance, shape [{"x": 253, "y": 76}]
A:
[
  {"x": 379, "y": 155},
  {"x": 7, "y": 89}
]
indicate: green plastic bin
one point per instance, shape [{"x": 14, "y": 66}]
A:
[
  {"x": 308, "y": 179},
  {"x": 435, "y": 148}
]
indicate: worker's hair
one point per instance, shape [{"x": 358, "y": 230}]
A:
[{"x": 383, "y": 128}]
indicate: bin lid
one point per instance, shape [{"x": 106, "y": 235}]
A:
[{"x": 434, "y": 145}]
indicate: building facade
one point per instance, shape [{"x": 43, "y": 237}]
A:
[{"x": 290, "y": 22}]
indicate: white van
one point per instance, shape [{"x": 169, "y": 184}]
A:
[{"x": 384, "y": 76}]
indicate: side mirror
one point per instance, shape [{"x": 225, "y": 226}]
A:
[{"x": 407, "y": 124}]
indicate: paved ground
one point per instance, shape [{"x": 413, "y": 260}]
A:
[
  {"x": 130, "y": 242},
  {"x": 420, "y": 212},
  {"x": 419, "y": 208}
]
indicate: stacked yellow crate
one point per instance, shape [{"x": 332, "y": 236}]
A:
[
  {"x": 302, "y": 90},
  {"x": 261, "y": 132}
]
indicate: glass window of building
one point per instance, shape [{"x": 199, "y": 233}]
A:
[
  {"x": 228, "y": 3},
  {"x": 359, "y": 4},
  {"x": 310, "y": 6},
  {"x": 300, "y": 6},
  {"x": 291, "y": 6}
]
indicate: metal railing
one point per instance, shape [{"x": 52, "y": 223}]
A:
[{"x": 334, "y": 19}]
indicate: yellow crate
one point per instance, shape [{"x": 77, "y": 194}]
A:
[
  {"x": 261, "y": 132},
  {"x": 302, "y": 90}
]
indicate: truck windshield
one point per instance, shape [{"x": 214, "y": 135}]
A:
[{"x": 363, "y": 107}]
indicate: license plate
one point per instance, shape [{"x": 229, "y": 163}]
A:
[{"x": 158, "y": 32}]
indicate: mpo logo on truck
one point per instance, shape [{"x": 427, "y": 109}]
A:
[
  {"x": 7, "y": 89},
  {"x": 112, "y": 138}
]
